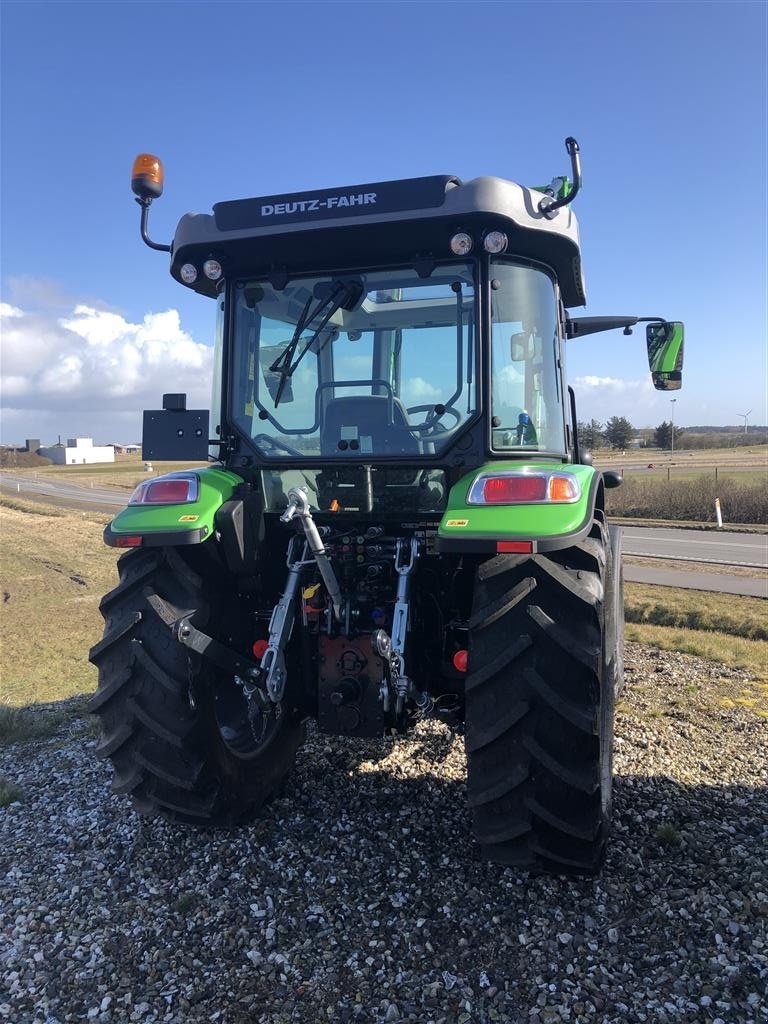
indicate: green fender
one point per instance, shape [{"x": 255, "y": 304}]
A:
[
  {"x": 187, "y": 523},
  {"x": 539, "y": 526}
]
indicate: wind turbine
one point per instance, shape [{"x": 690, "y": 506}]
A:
[{"x": 744, "y": 416}]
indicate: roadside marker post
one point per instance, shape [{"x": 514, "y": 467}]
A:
[{"x": 718, "y": 513}]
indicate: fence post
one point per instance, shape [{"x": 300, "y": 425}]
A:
[
  {"x": 718, "y": 513},
  {"x": 668, "y": 472}
]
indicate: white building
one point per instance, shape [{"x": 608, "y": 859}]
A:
[{"x": 79, "y": 451}]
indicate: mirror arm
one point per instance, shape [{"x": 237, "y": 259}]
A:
[
  {"x": 581, "y": 325},
  {"x": 145, "y": 203},
  {"x": 548, "y": 205}
]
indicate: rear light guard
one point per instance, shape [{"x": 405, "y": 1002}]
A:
[
  {"x": 171, "y": 489},
  {"x": 524, "y": 487}
]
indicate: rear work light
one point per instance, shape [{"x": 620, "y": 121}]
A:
[
  {"x": 510, "y": 487},
  {"x": 174, "y": 489},
  {"x": 128, "y": 541}
]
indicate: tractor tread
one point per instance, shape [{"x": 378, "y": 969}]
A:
[
  {"x": 478, "y": 737},
  {"x": 114, "y": 740},
  {"x": 538, "y": 737},
  {"x": 125, "y": 782},
  {"x": 581, "y": 717},
  {"x": 113, "y": 637},
  {"x": 185, "y": 776},
  {"x": 169, "y": 683},
  {"x": 503, "y": 604},
  {"x": 157, "y": 728},
  {"x": 132, "y": 582},
  {"x": 477, "y": 795},
  {"x": 105, "y": 693},
  {"x": 509, "y": 654},
  {"x": 168, "y": 754}
]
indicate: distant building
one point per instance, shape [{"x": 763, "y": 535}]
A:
[
  {"x": 32, "y": 444},
  {"x": 79, "y": 451},
  {"x": 125, "y": 449}
]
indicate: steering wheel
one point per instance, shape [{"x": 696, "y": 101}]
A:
[
  {"x": 275, "y": 442},
  {"x": 431, "y": 424}
]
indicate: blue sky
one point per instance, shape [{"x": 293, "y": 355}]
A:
[{"x": 667, "y": 100}]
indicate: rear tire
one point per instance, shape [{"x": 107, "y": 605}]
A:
[
  {"x": 162, "y": 707},
  {"x": 539, "y": 707}
]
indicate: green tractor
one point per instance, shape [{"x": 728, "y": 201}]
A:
[{"x": 398, "y": 522}]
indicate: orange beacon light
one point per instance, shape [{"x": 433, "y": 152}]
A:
[{"x": 147, "y": 176}]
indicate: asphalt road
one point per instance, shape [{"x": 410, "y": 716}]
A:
[
  {"x": 23, "y": 483},
  {"x": 742, "y": 549},
  {"x": 749, "y": 549},
  {"x": 719, "y": 583}
]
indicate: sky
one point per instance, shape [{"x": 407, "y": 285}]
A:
[{"x": 667, "y": 101}]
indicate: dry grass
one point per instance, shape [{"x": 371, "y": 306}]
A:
[
  {"x": 697, "y": 610},
  {"x": 18, "y": 724},
  {"x": 9, "y": 792},
  {"x": 734, "y": 651},
  {"x": 742, "y": 501},
  {"x": 53, "y": 571}
]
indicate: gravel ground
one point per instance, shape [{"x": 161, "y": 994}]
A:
[{"x": 359, "y": 898}]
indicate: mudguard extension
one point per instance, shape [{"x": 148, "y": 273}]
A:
[
  {"x": 190, "y": 523},
  {"x": 479, "y": 529}
]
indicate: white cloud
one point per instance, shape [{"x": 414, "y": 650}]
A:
[
  {"x": 417, "y": 391},
  {"x": 602, "y": 397},
  {"x": 92, "y": 366}
]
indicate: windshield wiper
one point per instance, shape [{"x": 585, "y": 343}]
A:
[{"x": 342, "y": 293}]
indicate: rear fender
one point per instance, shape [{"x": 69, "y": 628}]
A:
[
  {"x": 530, "y": 527},
  {"x": 174, "y": 525}
]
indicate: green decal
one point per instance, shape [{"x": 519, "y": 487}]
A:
[{"x": 665, "y": 355}]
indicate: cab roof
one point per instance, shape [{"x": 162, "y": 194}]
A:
[{"x": 378, "y": 223}]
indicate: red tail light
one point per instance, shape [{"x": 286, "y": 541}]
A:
[
  {"x": 174, "y": 489},
  {"x": 460, "y": 661},
  {"x": 505, "y": 490},
  {"x": 169, "y": 492},
  {"x": 517, "y": 487},
  {"x": 128, "y": 541}
]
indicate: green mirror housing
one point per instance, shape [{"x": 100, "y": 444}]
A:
[{"x": 665, "y": 355}]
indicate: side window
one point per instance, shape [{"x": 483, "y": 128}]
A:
[{"x": 525, "y": 381}]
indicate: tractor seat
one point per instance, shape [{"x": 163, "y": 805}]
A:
[{"x": 359, "y": 425}]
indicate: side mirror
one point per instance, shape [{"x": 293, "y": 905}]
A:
[
  {"x": 518, "y": 347},
  {"x": 267, "y": 359},
  {"x": 665, "y": 355}
]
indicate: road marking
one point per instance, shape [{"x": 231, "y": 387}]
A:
[
  {"x": 709, "y": 543},
  {"x": 705, "y": 561}
]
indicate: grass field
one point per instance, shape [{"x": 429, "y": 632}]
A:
[{"x": 54, "y": 568}]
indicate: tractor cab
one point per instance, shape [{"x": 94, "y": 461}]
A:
[{"x": 375, "y": 342}]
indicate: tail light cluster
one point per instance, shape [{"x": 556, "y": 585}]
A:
[
  {"x": 173, "y": 489},
  {"x": 524, "y": 487}
]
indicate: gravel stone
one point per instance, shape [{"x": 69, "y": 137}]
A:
[{"x": 359, "y": 896}]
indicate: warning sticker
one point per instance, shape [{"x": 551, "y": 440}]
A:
[
  {"x": 188, "y": 519},
  {"x": 457, "y": 522}
]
